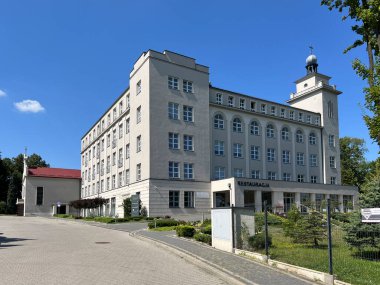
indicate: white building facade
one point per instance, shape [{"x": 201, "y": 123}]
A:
[{"x": 185, "y": 146}]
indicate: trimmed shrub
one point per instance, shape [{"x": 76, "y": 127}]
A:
[
  {"x": 64, "y": 216},
  {"x": 185, "y": 231},
  {"x": 206, "y": 230},
  {"x": 203, "y": 238},
  {"x": 206, "y": 222},
  {"x": 163, "y": 223},
  {"x": 258, "y": 241}
]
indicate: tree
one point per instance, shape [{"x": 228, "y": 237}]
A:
[
  {"x": 127, "y": 205},
  {"x": 14, "y": 192},
  {"x": 3, "y": 181},
  {"x": 366, "y": 14},
  {"x": 312, "y": 228},
  {"x": 353, "y": 164}
]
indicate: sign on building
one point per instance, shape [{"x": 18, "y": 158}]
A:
[
  {"x": 135, "y": 201},
  {"x": 370, "y": 215}
]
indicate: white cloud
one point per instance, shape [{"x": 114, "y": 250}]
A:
[
  {"x": 31, "y": 106},
  {"x": 2, "y": 93}
]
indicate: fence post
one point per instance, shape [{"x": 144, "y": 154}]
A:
[
  {"x": 266, "y": 229},
  {"x": 329, "y": 236}
]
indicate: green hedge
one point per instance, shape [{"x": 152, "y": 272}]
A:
[
  {"x": 206, "y": 230},
  {"x": 163, "y": 223},
  {"x": 64, "y": 216},
  {"x": 203, "y": 238},
  {"x": 258, "y": 241},
  {"x": 185, "y": 231}
]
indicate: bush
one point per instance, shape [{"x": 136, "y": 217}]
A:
[
  {"x": 206, "y": 222},
  {"x": 185, "y": 231},
  {"x": 341, "y": 217},
  {"x": 203, "y": 238},
  {"x": 272, "y": 220},
  {"x": 206, "y": 230},
  {"x": 258, "y": 241},
  {"x": 163, "y": 223},
  {"x": 3, "y": 207},
  {"x": 64, "y": 216}
]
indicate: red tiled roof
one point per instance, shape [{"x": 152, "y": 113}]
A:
[{"x": 54, "y": 172}]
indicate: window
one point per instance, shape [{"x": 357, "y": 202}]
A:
[
  {"x": 128, "y": 101},
  {"x": 271, "y": 175},
  {"x": 127, "y": 126},
  {"x": 231, "y": 101},
  {"x": 114, "y": 158},
  {"x": 333, "y": 180},
  {"x": 120, "y": 131},
  {"x": 317, "y": 121},
  {"x": 102, "y": 145},
  {"x": 219, "y": 173},
  {"x": 308, "y": 119},
  {"x": 188, "y": 170},
  {"x": 173, "y": 141},
  {"x": 255, "y": 152},
  {"x": 138, "y": 144},
  {"x": 138, "y": 115},
  {"x": 330, "y": 109},
  {"x": 173, "y": 83},
  {"x": 108, "y": 119},
  {"x": 173, "y": 111},
  {"x": 121, "y": 107},
  {"x": 187, "y": 86},
  {"x": 187, "y": 113},
  {"x": 332, "y": 162},
  {"x": 219, "y": 147},
  {"x": 286, "y": 156},
  {"x": 253, "y": 106},
  {"x": 286, "y": 176},
  {"x": 255, "y": 130},
  {"x": 173, "y": 199},
  {"x": 236, "y": 125},
  {"x": 218, "y": 122},
  {"x": 120, "y": 157},
  {"x": 127, "y": 151},
  {"x": 282, "y": 113},
  {"x": 255, "y": 174},
  {"x": 114, "y": 113},
  {"x": 313, "y": 179},
  {"x": 312, "y": 139},
  {"x": 188, "y": 143},
  {"x": 285, "y": 133},
  {"x": 270, "y": 154},
  {"x": 121, "y": 179},
  {"x": 138, "y": 172},
  {"x": 300, "y": 178},
  {"x": 299, "y": 136},
  {"x": 313, "y": 160},
  {"x": 188, "y": 199},
  {"x": 113, "y": 181},
  {"x": 238, "y": 172},
  {"x": 242, "y": 104},
  {"x": 238, "y": 150},
  {"x": 108, "y": 164},
  {"x": 219, "y": 98},
  {"x": 173, "y": 169},
  {"x": 273, "y": 110},
  {"x": 300, "y": 158},
  {"x": 127, "y": 177},
  {"x": 40, "y": 196},
  {"x": 300, "y": 117},
  {"x": 270, "y": 131},
  {"x": 263, "y": 108},
  {"x": 138, "y": 87},
  {"x": 332, "y": 140},
  {"x": 108, "y": 140},
  {"x": 291, "y": 115},
  {"x": 108, "y": 184}
]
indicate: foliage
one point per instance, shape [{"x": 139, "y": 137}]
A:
[
  {"x": 185, "y": 231},
  {"x": 163, "y": 223},
  {"x": 272, "y": 220},
  {"x": 341, "y": 217},
  {"x": 13, "y": 193},
  {"x": 291, "y": 224},
  {"x": 143, "y": 211},
  {"x": 64, "y": 216},
  {"x": 258, "y": 241},
  {"x": 202, "y": 237},
  {"x": 88, "y": 203},
  {"x": 353, "y": 164},
  {"x": 3, "y": 207},
  {"x": 366, "y": 16},
  {"x": 127, "y": 206},
  {"x": 206, "y": 230},
  {"x": 164, "y": 229}
]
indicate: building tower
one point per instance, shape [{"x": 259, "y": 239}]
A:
[{"x": 314, "y": 93}]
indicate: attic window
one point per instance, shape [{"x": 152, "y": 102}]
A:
[{"x": 305, "y": 85}]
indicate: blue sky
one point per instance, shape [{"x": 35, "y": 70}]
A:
[{"x": 66, "y": 61}]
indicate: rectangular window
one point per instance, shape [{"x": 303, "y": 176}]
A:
[
  {"x": 231, "y": 101},
  {"x": 317, "y": 121},
  {"x": 286, "y": 176},
  {"x": 138, "y": 87},
  {"x": 332, "y": 162},
  {"x": 270, "y": 154},
  {"x": 273, "y": 110},
  {"x": 108, "y": 184},
  {"x": 286, "y": 156},
  {"x": 138, "y": 115},
  {"x": 120, "y": 162},
  {"x": 188, "y": 143},
  {"x": 253, "y": 106},
  {"x": 174, "y": 169},
  {"x": 138, "y": 172},
  {"x": 40, "y": 196},
  {"x": 188, "y": 199},
  {"x": 173, "y": 83},
  {"x": 173, "y": 141},
  {"x": 300, "y": 117},
  {"x": 173, "y": 111},
  {"x": 255, "y": 174},
  {"x": 173, "y": 199},
  {"x": 300, "y": 158},
  {"x": 219, "y": 98},
  {"x": 219, "y": 147},
  {"x": 219, "y": 173},
  {"x": 187, "y": 86},
  {"x": 127, "y": 151},
  {"x": 308, "y": 119},
  {"x": 120, "y": 131},
  {"x": 138, "y": 144},
  {"x": 238, "y": 172},
  {"x": 332, "y": 180},
  {"x": 255, "y": 152},
  {"x": 188, "y": 170},
  {"x": 271, "y": 175},
  {"x": 113, "y": 181},
  {"x": 242, "y": 104},
  {"x": 313, "y": 160},
  {"x": 282, "y": 113},
  {"x": 128, "y": 102},
  {"x": 120, "y": 179},
  {"x": 332, "y": 140},
  {"x": 121, "y": 108},
  {"x": 291, "y": 115},
  {"x": 188, "y": 114},
  {"x": 300, "y": 178},
  {"x": 313, "y": 179},
  {"x": 114, "y": 158},
  {"x": 238, "y": 150},
  {"x": 263, "y": 108},
  {"x": 114, "y": 112},
  {"x": 127, "y": 125},
  {"x": 127, "y": 177}
]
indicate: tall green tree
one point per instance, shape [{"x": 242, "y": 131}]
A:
[
  {"x": 353, "y": 164},
  {"x": 366, "y": 15},
  {"x": 14, "y": 192}
]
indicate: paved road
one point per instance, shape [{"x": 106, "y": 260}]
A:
[{"x": 49, "y": 251}]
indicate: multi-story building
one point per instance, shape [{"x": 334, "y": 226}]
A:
[{"x": 185, "y": 146}]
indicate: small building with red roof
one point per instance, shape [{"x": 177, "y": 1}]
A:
[{"x": 48, "y": 191}]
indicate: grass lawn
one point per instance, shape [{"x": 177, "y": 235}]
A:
[
  {"x": 346, "y": 267},
  {"x": 163, "y": 229}
]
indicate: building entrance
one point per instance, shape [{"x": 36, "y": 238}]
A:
[{"x": 267, "y": 196}]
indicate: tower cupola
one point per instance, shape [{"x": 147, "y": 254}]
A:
[{"x": 311, "y": 63}]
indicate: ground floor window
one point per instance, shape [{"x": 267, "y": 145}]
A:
[
  {"x": 347, "y": 203},
  {"x": 113, "y": 206},
  {"x": 188, "y": 199},
  {"x": 305, "y": 202},
  {"x": 40, "y": 196},
  {"x": 334, "y": 202},
  {"x": 320, "y": 203},
  {"x": 289, "y": 200},
  {"x": 173, "y": 199},
  {"x": 249, "y": 198}
]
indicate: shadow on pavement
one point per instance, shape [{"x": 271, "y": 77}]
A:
[{"x": 7, "y": 242}]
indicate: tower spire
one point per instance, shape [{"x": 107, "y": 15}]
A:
[{"x": 311, "y": 62}]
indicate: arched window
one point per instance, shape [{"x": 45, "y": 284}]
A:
[
  {"x": 236, "y": 125},
  {"x": 218, "y": 122},
  {"x": 312, "y": 139},
  {"x": 270, "y": 131},
  {"x": 299, "y": 136},
  {"x": 285, "y": 133},
  {"x": 255, "y": 130}
]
